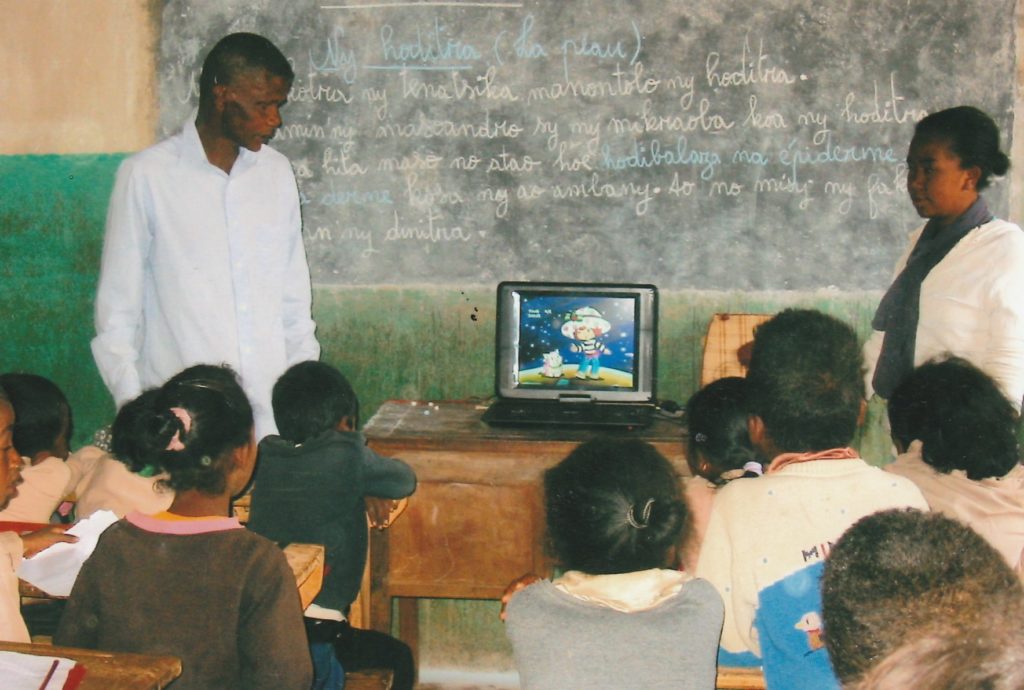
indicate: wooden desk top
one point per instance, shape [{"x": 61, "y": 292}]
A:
[
  {"x": 447, "y": 441},
  {"x": 110, "y": 670},
  {"x": 305, "y": 560}
]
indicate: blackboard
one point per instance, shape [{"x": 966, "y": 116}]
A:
[{"x": 715, "y": 144}]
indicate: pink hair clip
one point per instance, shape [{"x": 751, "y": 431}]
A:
[{"x": 186, "y": 422}]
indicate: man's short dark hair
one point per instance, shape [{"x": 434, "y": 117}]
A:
[
  {"x": 962, "y": 418},
  {"x": 806, "y": 380},
  {"x": 896, "y": 574},
  {"x": 237, "y": 53},
  {"x": 311, "y": 398}
]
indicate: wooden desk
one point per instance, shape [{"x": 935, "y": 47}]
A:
[
  {"x": 476, "y": 521},
  {"x": 305, "y": 560},
  {"x": 307, "y": 564},
  {"x": 110, "y": 670}
]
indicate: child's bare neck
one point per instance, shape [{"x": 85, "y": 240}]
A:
[{"x": 192, "y": 503}]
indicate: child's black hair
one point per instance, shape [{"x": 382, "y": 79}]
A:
[
  {"x": 129, "y": 432},
  {"x": 806, "y": 380},
  {"x": 198, "y": 418},
  {"x": 716, "y": 422},
  {"x": 613, "y": 506},
  {"x": 962, "y": 418},
  {"x": 41, "y": 412},
  {"x": 311, "y": 398},
  {"x": 895, "y": 573}
]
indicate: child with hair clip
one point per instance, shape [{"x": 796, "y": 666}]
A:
[
  {"x": 190, "y": 581},
  {"x": 718, "y": 450},
  {"x": 42, "y": 431},
  {"x": 622, "y": 615},
  {"x": 121, "y": 480}
]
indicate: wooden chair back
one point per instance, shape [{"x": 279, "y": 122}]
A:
[{"x": 727, "y": 345}]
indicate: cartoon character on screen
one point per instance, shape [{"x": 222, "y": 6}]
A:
[
  {"x": 585, "y": 325},
  {"x": 552, "y": 367}
]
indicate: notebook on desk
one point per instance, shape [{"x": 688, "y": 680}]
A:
[{"x": 574, "y": 354}]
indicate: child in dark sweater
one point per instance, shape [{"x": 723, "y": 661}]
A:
[
  {"x": 190, "y": 581},
  {"x": 311, "y": 486}
]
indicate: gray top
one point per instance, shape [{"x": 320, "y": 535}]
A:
[{"x": 562, "y": 642}]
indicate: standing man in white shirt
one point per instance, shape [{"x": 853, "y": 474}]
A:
[{"x": 203, "y": 258}]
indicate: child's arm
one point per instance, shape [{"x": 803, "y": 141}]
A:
[
  {"x": 383, "y": 511},
  {"x": 82, "y": 464},
  {"x": 12, "y": 626},
  {"x": 734, "y": 582},
  {"x": 386, "y": 477},
  {"x": 521, "y": 582},
  {"x": 34, "y": 542}
]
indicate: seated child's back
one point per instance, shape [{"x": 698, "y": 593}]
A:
[
  {"x": 623, "y": 615},
  {"x": 311, "y": 487},
  {"x": 191, "y": 582},
  {"x": 767, "y": 538},
  {"x": 121, "y": 480},
  {"x": 957, "y": 437},
  {"x": 718, "y": 451}
]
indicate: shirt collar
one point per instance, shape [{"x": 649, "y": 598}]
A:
[
  {"x": 626, "y": 592},
  {"x": 193, "y": 152},
  {"x": 168, "y": 523}
]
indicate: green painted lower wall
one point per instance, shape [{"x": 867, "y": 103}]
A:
[
  {"x": 430, "y": 343},
  {"x": 51, "y": 219}
]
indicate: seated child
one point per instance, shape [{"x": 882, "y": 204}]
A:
[
  {"x": 766, "y": 539},
  {"x": 623, "y": 615},
  {"x": 122, "y": 481},
  {"x": 12, "y": 545},
  {"x": 41, "y": 433},
  {"x": 957, "y": 437},
  {"x": 900, "y": 575},
  {"x": 718, "y": 451},
  {"x": 192, "y": 582},
  {"x": 310, "y": 487}
]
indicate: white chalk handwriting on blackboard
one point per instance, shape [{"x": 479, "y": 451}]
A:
[{"x": 730, "y": 145}]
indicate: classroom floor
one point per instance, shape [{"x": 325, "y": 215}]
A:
[
  {"x": 436, "y": 686},
  {"x": 439, "y": 679}
]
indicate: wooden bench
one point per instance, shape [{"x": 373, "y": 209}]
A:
[
  {"x": 730, "y": 678},
  {"x": 369, "y": 679}
]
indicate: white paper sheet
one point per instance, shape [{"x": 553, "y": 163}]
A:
[
  {"x": 27, "y": 671},
  {"x": 54, "y": 570}
]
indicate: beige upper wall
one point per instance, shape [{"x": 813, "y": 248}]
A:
[{"x": 78, "y": 75}]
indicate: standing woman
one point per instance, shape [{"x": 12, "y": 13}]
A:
[{"x": 959, "y": 288}]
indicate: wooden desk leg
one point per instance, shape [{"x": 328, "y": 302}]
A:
[
  {"x": 380, "y": 597},
  {"x": 409, "y": 625}
]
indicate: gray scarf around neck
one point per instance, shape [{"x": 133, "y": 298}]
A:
[{"x": 899, "y": 310}]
